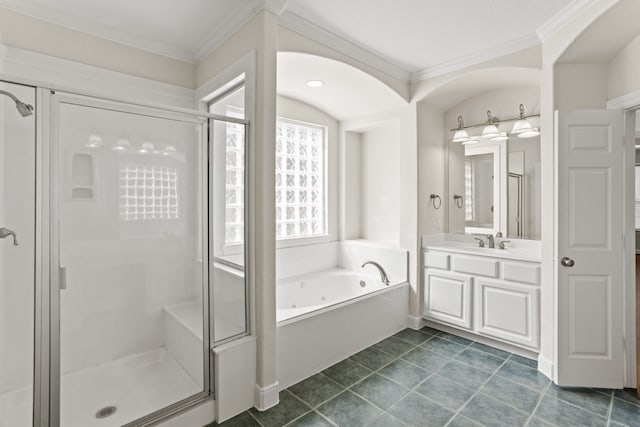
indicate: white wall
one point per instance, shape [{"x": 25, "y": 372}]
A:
[
  {"x": 17, "y": 212},
  {"x": 258, "y": 39},
  {"x": 350, "y": 175},
  {"x": 580, "y": 86},
  {"x": 503, "y": 103},
  {"x": 380, "y": 184},
  {"x": 623, "y": 75},
  {"x": 433, "y": 167}
]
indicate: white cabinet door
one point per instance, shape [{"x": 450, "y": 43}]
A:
[
  {"x": 508, "y": 311},
  {"x": 447, "y": 297}
]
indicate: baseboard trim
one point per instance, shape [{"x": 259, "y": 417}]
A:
[
  {"x": 545, "y": 366},
  {"x": 415, "y": 322},
  {"x": 266, "y": 397}
]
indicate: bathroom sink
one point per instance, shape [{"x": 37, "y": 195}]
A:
[{"x": 472, "y": 249}]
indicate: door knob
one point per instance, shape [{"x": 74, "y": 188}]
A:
[
  {"x": 567, "y": 262},
  {"x": 5, "y": 232}
]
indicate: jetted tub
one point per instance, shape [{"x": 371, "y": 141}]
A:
[
  {"x": 327, "y": 316},
  {"x": 316, "y": 291}
]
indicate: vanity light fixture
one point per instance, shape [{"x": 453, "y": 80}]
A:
[
  {"x": 94, "y": 141},
  {"x": 315, "y": 83},
  {"x": 461, "y": 134},
  {"x": 121, "y": 145},
  {"x": 522, "y": 127},
  {"x": 490, "y": 130},
  {"x": 168, "y": 150},
  {"x": 471, "y": 140},
  {"x": 147, "y": 147}
]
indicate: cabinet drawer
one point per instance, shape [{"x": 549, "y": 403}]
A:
[
  {"x": 436, "y": 260},
  {"x": 447, "y": 297},
  {"x": 508, "y": 311},
  {"x": 475, "y": 265},
  {"x": 521, "y": 272}
]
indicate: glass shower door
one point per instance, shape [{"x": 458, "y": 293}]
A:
[
  {"x": 17, "y": 254},
  {"x": 132, "y": 236}
]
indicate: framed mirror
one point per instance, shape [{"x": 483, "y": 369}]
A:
[{"x": 495, "y": 187}]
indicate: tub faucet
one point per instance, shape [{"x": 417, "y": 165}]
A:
[
  {"x": 383, "y": 274},
  {"x": 492, "y": 243}
]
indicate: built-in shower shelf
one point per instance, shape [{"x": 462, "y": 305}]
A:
[{"x": 81, "y": 182}]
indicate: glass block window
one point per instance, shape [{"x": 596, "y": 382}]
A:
[
  {"x": 300, "y": 180},
  {"x": 148, "y": 192},
  {"x": 468, "y": 191},
  {"x": 234, "y": 181}
]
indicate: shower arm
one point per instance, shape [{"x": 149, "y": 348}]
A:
[{"x": 10, "y": 95}]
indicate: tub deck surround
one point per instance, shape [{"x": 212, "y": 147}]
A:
[{"x": 431, "y": 377}]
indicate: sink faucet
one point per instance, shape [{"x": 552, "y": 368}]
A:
[
  {"x": 492, "y": 243},
  {"x": 383, "y": 274}
]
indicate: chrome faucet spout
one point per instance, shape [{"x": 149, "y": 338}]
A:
[
  {"x": 492, "y": 243},
  {"x": 383, "y": 274}
]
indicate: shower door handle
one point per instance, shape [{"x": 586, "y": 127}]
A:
[
  {"x": 62, "y": 278},
  {"x": 5, "y": 232}
]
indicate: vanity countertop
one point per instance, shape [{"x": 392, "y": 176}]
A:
[{"x": 517, "y": 249}]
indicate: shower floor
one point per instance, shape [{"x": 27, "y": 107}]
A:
[{"x": 136, "y": 385}]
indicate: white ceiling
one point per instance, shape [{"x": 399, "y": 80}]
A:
[
  {"x": 347, "y": 93},
  {"x": 411, "y": 35},
  {"x": 179, "y": 29},
  {"x": 420, "y": 34}
]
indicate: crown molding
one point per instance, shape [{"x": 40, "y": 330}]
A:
[
  {"x": 108, "y": 34},
  {"x": 560, "y": 19},
  {"x": 512, "y": 46},
  {"x": 361, "y": 54},
  {"x": 248, "y": 10},
  {"x": 275, "y": 6},
  {"x": 53, "y": 72},
  {"x": 625, "y": 102}
]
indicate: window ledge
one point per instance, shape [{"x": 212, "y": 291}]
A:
[{"x": 303, "y": 241}]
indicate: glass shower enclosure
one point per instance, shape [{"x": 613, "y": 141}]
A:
[{"x": 122, "y": 317}]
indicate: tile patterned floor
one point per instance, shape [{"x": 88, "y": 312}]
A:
[{"x": 432, "y": 378}]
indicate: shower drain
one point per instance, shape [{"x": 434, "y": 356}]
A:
[{"x": 105, "y": 412}]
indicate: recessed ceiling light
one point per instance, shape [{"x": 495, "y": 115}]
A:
[{"x": 315, "y": 83}]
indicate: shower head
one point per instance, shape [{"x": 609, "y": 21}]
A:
[{"x": 24, "y": 109}]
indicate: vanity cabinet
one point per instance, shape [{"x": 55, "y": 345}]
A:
[
  {"x": 447, "y": 297},
  {"x": 507, "y": 311},
  {"x": 487, "y": 295}
]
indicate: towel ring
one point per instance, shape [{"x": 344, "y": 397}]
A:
[
  {"x": 459, "y": 200},
  {"x": 436, "y": 201}
]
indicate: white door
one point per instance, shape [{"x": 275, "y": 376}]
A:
[{"x": 589, "y": 252}]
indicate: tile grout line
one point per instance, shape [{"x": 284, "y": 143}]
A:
[
  {"x": 610, "y": 409},
  {"x": 459, "y": 411},
  {"x": 255, "y": 419},
  {"x": 543, "y": 393}
]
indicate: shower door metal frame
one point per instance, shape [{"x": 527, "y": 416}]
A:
[
  {"x": 46, "y": 397},
  {"x": 195, "y": 118}
]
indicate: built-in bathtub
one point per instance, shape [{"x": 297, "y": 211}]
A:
[
  {"x": 328, "y": 315},
  {"x": 316, "y": 292}
]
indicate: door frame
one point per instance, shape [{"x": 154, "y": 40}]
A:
[{"x": 629, "y": 103}]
